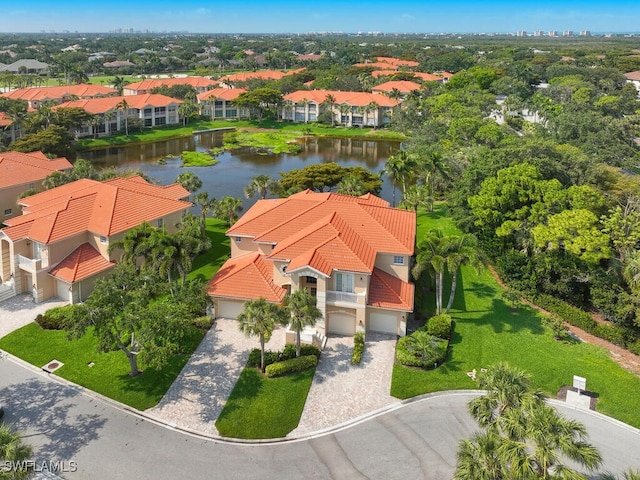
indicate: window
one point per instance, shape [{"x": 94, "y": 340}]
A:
[
  {"x": 161, "y": 120},
  {"x": 238, "y": 239},
  {"x": 160, "y": 223},
  {"x": 398, "y": 260},
  {"x": 344, "y": 282},
  {"x": 103, "y": 239},
  {"x": 160, "y": 110},
  {"x": 148, "y": 122},
  {"x": 8, "y": 211},
  {"x": 32, "y": 186}
]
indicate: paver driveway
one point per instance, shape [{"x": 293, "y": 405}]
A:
[{"x": 20, "y": 310}]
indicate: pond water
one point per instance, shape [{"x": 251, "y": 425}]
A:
[{"x": 235, "y": 169}]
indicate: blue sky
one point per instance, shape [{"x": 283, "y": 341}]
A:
[{"x": 299, "y": 16}]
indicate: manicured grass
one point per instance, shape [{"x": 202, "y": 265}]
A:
[
  {"x": 261, "y": 407},
  {"x": 206, "y": 265},
  {"x": 197, "y": 159},
  {"x": 488, "y": 331},
  {"x": 109, "y": 375}
]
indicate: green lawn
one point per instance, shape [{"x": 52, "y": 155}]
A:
[
  {"x": 206, "y": 265},
  {"x": 108, "y": 376},
  {"x": 261, "y": 407},
  {"x": 487, "y": 330}
]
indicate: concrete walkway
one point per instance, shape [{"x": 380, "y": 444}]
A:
[
  {"x": 198, "y": 395},
  {"x": 20, "y": 310},
  {"x": 340, "y": 391}
]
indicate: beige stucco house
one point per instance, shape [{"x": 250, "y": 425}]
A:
[
  {"x": 352, "y": 253},
  {"x": 59, "y": 246}
]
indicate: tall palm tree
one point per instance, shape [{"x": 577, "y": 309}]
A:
[
  {"x": 463, "y": 250},
  {"x": 631, "y": 270},
  {"x": 352, "y": 185},
  {"x": 124, "y": 106},
  {"x": 522, "y": 434},
  {"x": 228, "y": 209},
  {"x": 304, "y": 312},
  {"x": 260, "y": 184},
  {"x": 170, "y": 256},
  {"x": 13, "y": 450},
  {"x": 432, "y": 166},
  {"x": 133, "y": 242},
  {"x": 205, "y": 203},
  {"x": 119, "y": 84},
  {"x": 189, "y": 181},
  {"x": 433, "y": 250},
  {"x": 259, "y": 318},
  {"x": 400, "y": 168},
  {"x": 329, "y": 103},
  {"x": 345, "y": 110}
]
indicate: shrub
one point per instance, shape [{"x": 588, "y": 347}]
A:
[
  {"x": 55, "y": 318},
  {"x": 358, "y": 348},
  {"x": 421, "y": 350},
  {"x": 612, "y": 333},
  {"x": 292, "y": 365},
  {"x": 635, "y": 347},
  {"x": 573, "y": 315},
  {"x": 269, "y": 357},
  {"x": 439, "y": 326},
  {"x": 556, "y": 325},
  {"x": 287, "y": 353}
]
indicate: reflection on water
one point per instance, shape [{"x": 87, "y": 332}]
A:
[{"x": 235, "y": 169}]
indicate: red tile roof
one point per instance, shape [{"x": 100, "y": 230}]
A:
[
  {"x": 102, "y": 105},
  {"x": 387, "y": 291},
  {"x": 397, "y": 62},
  {"x": 84, "y": 262},
  {"x": 227, "y": 94},
  {"x": 58, "y": 93},
  {"x": 263, "y": 75},
  {"x": 378, "y": 65},
  {"x": 356, "y": 99},
  {"x": 22, "y": 168},
  {"x": 237, "y": 274},
  {"x": 428, "y": 77},
  {"x": 633, "y": 76},
  {"x": 149, "y": 83},
  {"x": 402, "y": 85},
  {"x": 5, "y": 120},
  {"x": 105, "y": 208}
]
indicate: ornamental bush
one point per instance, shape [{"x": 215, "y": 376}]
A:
[
  {"x": 421, "y": 350},
  {"x": 287, "y": 353},
  {"x": 439, "y": 326},
  {"x": 55, "y": 318},
  {"x": 358, "y": 348},
  {"x": 298, "y": 364}
]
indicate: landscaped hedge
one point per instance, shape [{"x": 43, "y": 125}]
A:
[
  {"x": 421, "y": 350},
  {"x": 439, "y": 326},
  {"x": 288, "y": 353},
  {"x": 615, "y": 334},
  {"x": 298, "y": 364},
  {"x": 358, "y": 348},
  {"x": 55, "y": 318}
]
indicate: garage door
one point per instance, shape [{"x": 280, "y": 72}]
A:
[
  {"x": 229, "y": 309},
  {"x": 62, "y": 290},
  {"x": 383, "y": 322},
  {"x": 342, "y": 323}
]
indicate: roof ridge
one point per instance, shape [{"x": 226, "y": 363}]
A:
[{"x": 284, "y": 222}]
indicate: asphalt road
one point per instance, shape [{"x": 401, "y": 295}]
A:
[{"x": 417, "y": 440}]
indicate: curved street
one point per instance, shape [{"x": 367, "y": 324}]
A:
[{"x": 416, "y": 440}]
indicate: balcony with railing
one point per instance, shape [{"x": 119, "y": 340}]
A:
[
  {"x": 344, "y": 297},
  {"x": 28, "y": 264}
]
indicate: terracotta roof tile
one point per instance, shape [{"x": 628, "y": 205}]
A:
[
  {"x": 82, "y": 90},
  {"x": 356, "y": 99},
  {"x": 106, "y": 104},
  {"x": 150, "y": 83},
  {"x": 238, "y": 273},
  {"x": 633, "y": 76},
  {"x": 87, "y": 205},
  {"x": 245, "y": 76},
  {"x": 84, "y": 262},
  {"x": 387, "y": 291},
  {"x": 22, "y": 168},
  {"x": 222, "y": 93},
  {"x": 401, "y": 85},
  {"x": 398, "y": 62},
  {"x": 5, "y": 120}
]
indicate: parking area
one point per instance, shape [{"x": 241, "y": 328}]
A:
[{"x": 20, "y": 310}]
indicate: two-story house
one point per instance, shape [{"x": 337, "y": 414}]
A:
[
  {"x": 36, "y": 96},
  {"x": 352, "y": 253},
  {"x": 218, "y": 103},
  {"x": 20, "y": 172},
  {"x": 59, "y": 246},
  {"x": 201, "y": 84}
]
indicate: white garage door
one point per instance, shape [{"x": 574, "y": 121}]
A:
[
  {"x": 342, "y": 323},
  {"x": 62, "y": 290},
  {"x": 383, "y": 322},
  {"x": 229, "y": 309}
]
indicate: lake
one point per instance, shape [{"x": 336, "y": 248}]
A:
[{"x": 235, "y": 169}]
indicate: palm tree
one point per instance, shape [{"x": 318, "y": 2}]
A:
[
  {"x": 132, "y": 243},
  {"x": 124, "y": 106},
  {"x": 260, "y": 184},
  {"x": 631, "y": 270},
  {"x": 170, "y": 256},
  {"x": 186, "y": 110},
  {"x": 287, "y": 107},
  {"x": 352, "y": 185},
  {"x": 433, "y": 251},
  {"x": 400, "y": 169},
  {"x": 259, "y": 318},
  {"x": 119, "y": 84},
  {"x": 345, "y": 110},
  {"x": 304, "y": 312},
  {"x": 330, "y": 103},
  {"x": 522, "y": 434},
  {"x": 464, "y": 250},
  {"x": 15, "y": 452},
  {"x": 432, "y": 166},
  {"x": 228, "y": 209},
  {"x": 367, "y": 109},
  {"x": 205, "y": 203},
  {"x": 189, "y": 181},
  {"x": 416, "y": 196}
]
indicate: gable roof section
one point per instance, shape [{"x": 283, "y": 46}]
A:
[
  {"x": 329, "y": 231},
  {"x": 387, "y": 291},
  {"x": 234, "y": 277},
  {"x": 356, "y": 99},
  {"x": 149, "y": 83},
  {"x": 105, "y": 104},
  {"x": 82, "y": 90},
  {"x": 402, "y": 86},
  {"x": 22, "y": 168},
  {"x": 104, "y": 208},
  {"x": 633, "y": 76},
  {"x": 262, "y": 75},
  {"x": 227, "y": 94},
  {"x": 84, "y": 262}
]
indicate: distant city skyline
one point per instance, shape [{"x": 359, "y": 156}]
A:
[{"x": 288, "y": 16}]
